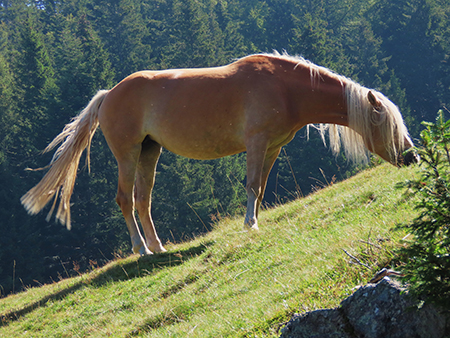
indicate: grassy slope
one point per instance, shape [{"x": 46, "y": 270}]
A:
[{"x": 229, "y": 283}]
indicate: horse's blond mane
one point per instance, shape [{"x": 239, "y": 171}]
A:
[{"x": 361, "y": 116}]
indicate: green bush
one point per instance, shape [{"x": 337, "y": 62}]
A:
[{"x": 427, "y": 258}]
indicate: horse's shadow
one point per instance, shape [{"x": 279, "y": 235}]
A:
[
  {"x": 144, "y": 266},
  {"x": 147, "y": 265}
]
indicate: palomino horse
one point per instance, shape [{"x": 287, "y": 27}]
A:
[{"x": 255, "y": 104}]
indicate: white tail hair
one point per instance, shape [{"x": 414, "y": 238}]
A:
[{"x": 60, "y": 178}]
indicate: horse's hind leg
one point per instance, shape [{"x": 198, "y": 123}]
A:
[
  {"x": 127, "y": 162},
  {"x": 145, "y": 179}
]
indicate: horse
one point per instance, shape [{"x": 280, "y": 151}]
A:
[{"x": 255, "y": 104}]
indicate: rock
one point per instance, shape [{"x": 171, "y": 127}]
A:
[
  {"x": 383, "y": 310},
  {"x": 317, "y": 324}
]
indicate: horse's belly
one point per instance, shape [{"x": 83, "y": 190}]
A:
[{"x": 203, "y": 144}]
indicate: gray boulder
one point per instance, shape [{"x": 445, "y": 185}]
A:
[{"x": 383, "y": 310}]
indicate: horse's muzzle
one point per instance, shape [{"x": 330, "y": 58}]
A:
[{"x": 409, "y": 158}]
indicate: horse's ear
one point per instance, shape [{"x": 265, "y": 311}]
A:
[{"x": 373, "y": 100}]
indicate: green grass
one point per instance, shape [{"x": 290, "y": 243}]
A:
[{"x": 230, "y": 283}]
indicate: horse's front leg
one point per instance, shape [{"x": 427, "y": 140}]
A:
[
  {"x": 259, "y": 163},
  {"x": 251, "y": 221}
]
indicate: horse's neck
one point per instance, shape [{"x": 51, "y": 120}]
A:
[{"x": 317, "y": 97}]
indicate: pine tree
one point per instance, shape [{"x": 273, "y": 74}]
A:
[
  {"x": 123, "y": 29},
  {"x": 427, "y": 256},
  {"x": 8, "y": 113},
  {"x": 407, "y": 27},
  {"x": 83, "y": 64},
  {"x": 191, "y": 34},
  {"x": 35, "y": 82}
]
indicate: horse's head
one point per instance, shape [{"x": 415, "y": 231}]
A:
[{"x": 389, "y": 137}]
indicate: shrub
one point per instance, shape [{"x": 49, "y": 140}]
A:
[{"x": 427, "y": 257}]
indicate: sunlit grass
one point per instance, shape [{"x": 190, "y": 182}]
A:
[{"x": 230, "y": 283}]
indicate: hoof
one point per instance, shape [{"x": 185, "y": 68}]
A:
[
  {"x": 251, "y": 227},
  {"x": 142, "y": 250},
  {"x": 157, "y": 248},
  {"x": 145, "y": 252}
]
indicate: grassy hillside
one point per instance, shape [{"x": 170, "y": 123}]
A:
[{"x": 230, "y": 283}]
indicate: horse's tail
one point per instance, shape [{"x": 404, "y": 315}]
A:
[{"x": 60, "y": 178}]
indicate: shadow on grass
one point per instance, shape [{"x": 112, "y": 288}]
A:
[{"x": 143, "y": 266}]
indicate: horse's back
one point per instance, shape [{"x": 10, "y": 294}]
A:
[
  {"x": 192, "y": 112},
  {"x": 200, "y": 113}
]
